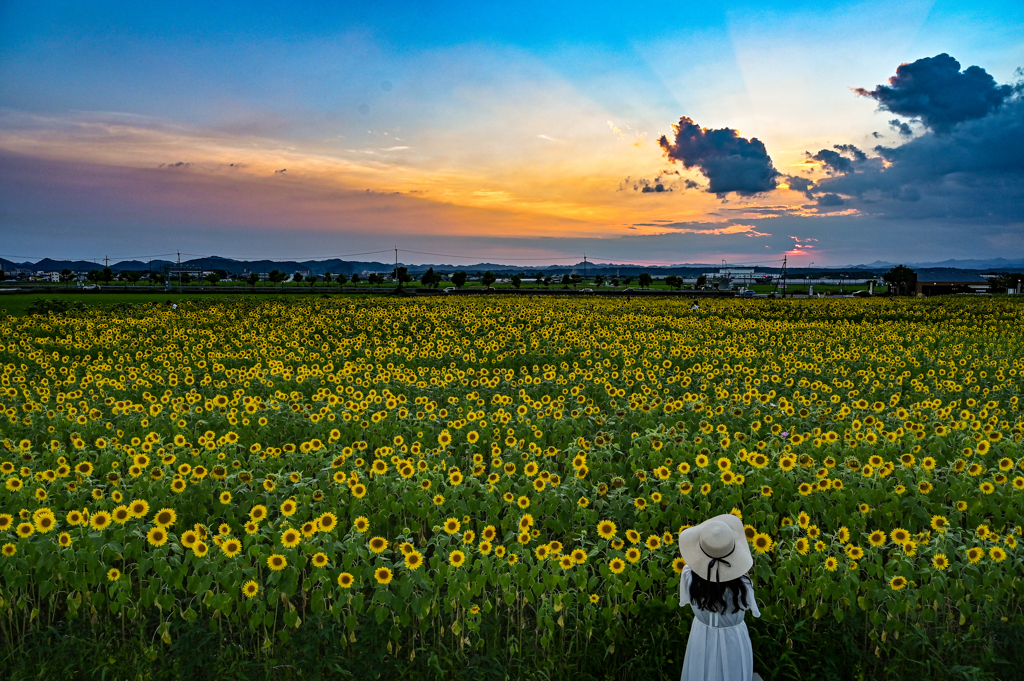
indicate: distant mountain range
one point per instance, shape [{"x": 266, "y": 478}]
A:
[
  {"x": 990, "y": 264},
  {"x": 335, "y": 266}
]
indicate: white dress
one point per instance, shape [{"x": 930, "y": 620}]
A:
[{"x": 719, "y": 646}]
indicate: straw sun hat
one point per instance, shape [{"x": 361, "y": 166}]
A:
[{"x": 716, "y": 549}]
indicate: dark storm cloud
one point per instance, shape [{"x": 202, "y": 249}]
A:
[
  {"x": 966, "y": 165},
  {"x": 852, "y": 151},
  {"x": 730, "y": 162},
  {"x": 800, "y": 184},
  {"x": 841, "y": 161},
  {"x": 974, "y": 171},
  {"x": 935, "y": 91},
  {"x": 832, "y": 161},
  {"x": 666, "y": 181},
  {"x": 902, "y": 128}
]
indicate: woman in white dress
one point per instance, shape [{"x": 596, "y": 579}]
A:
[{"x": 715, "y": 584}]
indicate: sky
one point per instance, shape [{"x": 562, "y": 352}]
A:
[{"x": 824, "y": 132}]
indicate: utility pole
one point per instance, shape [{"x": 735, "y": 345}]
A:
[
  {"x": 106, "y": 261},
  {"x": 782, "y": 277},
  {"x": 179, "y": 272},
  {"x": 396, "y": 267},
  {"x": 584, "y": 268}
]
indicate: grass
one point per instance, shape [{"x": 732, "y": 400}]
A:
[{"x": 17, "y": 304}]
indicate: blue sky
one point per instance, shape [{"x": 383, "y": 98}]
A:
[{"x": 251, "y": 129}]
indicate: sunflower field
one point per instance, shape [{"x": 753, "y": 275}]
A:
[{"x": 493, "y": 487}]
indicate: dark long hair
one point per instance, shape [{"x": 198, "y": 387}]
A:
[{"x": 710, "y": 596}]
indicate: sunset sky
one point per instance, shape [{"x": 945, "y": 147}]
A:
[{"x": 513, "y": 132}]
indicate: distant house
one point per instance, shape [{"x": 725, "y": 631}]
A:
[
  {"x": 174, "y": 271},
  {"x": 944, "y": 282},
  {"x": 727, "y": 278}
]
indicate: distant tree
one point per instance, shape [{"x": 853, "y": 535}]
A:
[
  {"x": 66, "y": 276},
  {"x": 566, "y": 280},
  {"x": 327, "y": 278},
  {"x": 598, "y": 279},
  {"x": 615, "y": 282},
  {"x": 547, "y": 281},
  {"x": 901, "y": 280},
  {"x": 401, "y": 275},
  {"x": 645, "y": 280},
  {"x": 575, "y": 279},
  {"x": 342, "y": 280},
  {"x": 355, "y": 278},
  {"x": 252, "y": 279},
  {"x": 93, "y": 276},
  {"x": 517, "y": 280},
  {"x": 702, "y": 281},
  {"x": 374, "y": 279},
  {"x": 674, "y": 281},
  {"x": 156, "y": 278},
  {"x": 459, "y": 279},
  {"x": 312, "y": 279},
  {"x": 297, "y": 277},
  {"x": 1007, "y": 281},
  {"x": 626, "y": 281},
  {"x": 185, "y": 277},
  {"x": 539, "y": 277},
  {"x": 106, "y": 275},
  {"x": 213, "y": 278},
  {"x": 430, "y": 278},
  {"x": 488, "y": 278},
  {"x": 277, "y": 277}
]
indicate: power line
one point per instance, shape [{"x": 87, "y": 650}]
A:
[
  {"x": 759, "y": 262},
  {"x": 474, "y": 257},
  {"x": 90, "y": 258},
  {"x": 290, "y": 257},
  {"x": 481, "y": 258}
]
